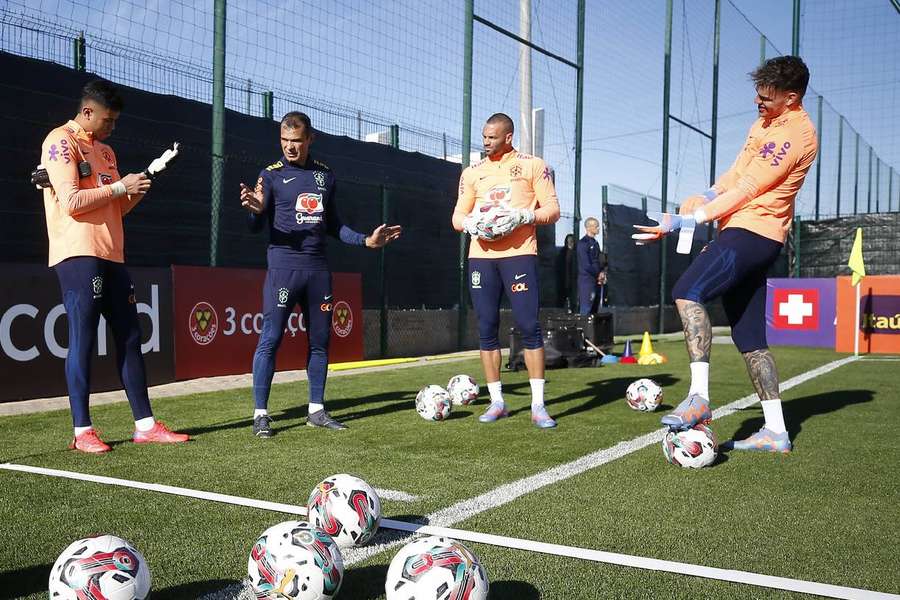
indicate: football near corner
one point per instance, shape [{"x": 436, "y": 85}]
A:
[{"x": 588, "y": 509}]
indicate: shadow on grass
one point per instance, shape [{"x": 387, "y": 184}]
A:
[
  {"x": 22, "y": 582},
  {"x": 798, "y": 410},
  {"x": 513, "y": 590},
  {"x": 598, "y": 393}
]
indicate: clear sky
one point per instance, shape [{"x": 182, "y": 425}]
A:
[{"x": 360, "y": 66}]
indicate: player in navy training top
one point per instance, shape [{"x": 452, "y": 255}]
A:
[{"x": 294, "y": 197}]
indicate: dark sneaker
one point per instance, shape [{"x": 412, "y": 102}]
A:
[
  {"x": 262, "y": 426},
  {"x": 323, "y": 419}
]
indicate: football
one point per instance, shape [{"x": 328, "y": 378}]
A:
[
  {"x": 644, "y": 394},
  {"x": 346, "y": 508},
  {"x": 463, "y": 390},
  {"x": 295, "y": 561},
  {"x": 433, "y": 403},
  {"x": 489, "y": 215},
  {"x": 692, "y": 448},
  {"x": 103, "y": 566},
  {"x": 435, "y": 567}
]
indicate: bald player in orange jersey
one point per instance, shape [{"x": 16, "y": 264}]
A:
[
  {"x": 84, "y": 204},
  {"x": 754, "y": 204},
  {"x": 506, "y": 262}
]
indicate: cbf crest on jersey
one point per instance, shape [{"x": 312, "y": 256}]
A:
[{"x": 320, "y": 178}]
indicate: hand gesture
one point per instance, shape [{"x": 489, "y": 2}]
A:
[
  {"x": 692, "y": 203},
  {"x": 136, "y": 183},
  {"x": 253, "y": 200},
  {"x": 383, "y": 235}
]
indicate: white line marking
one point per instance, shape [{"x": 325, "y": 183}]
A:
[
  {"x": 395, "y": 495},
  {"x": 440, "y": 520},
  {"x": 158, "y": 487}
]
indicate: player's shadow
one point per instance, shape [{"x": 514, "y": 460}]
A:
[
  {"x": 22, "y": 582},
  {"x": 799, "y": 410},
  {"x": 514, "y": 590},
  {"x": 388, "y": 402},
  {"x": 195, "y": 589},
  {"x": 598, "y": 393}
]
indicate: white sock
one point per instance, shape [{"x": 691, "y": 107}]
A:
[
  {"x": 537, "y": 393},
  {"x": 495, "y": 390},
  {"x": 145, "y": 424},
  {"x": 80, "y": 430},
  {"x": 700, "y": 379},
  {"x": 315, "y": 407},
  {"x": 774, "y": 416},
  {"x": 260, "y": 412}
]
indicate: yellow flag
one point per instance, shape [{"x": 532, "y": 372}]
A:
[{"x": 856, "y": 258}]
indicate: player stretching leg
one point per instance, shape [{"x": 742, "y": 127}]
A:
[
  {"x": 294, "y": 198},
  {"x": 504, "y": 260},
  {"x": 85, "y": 201},
  {"x": 754, "y": 205}
]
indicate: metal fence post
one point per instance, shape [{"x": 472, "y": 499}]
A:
[
  {"x": 797, "y": 247},
  {"x": 218, "y": 131},
  {"x": 382, "y": 301},
  {"x": 79, "y": 53},
  {"x": 268, "y": 104},
  {"x": 840, "y": 162}
]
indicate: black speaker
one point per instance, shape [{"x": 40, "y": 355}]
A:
[{"x": 598, "y": 327}]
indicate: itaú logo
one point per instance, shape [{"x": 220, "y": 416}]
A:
[
  {"x": 18, "y": 335},
  {"x": 519, "y": 287}
]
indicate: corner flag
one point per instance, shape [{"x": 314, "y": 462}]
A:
[{"x": 856, "y": 259}]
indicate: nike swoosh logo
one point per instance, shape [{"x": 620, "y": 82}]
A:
[
  {"x": 288, "y": 180},
  {"x": 518, "y": 277},
  {"x": 328, "y": 297}
]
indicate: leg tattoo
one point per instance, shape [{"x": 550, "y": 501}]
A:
[
  {"x": 697, "y": 330},
  {"x": 763, "y": 374}
]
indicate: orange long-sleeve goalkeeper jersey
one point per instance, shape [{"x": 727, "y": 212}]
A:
[
  {"x": 84, "y": 216},
  {"x": 522, "y": 180},
  {"x": 770, "y": 169}
]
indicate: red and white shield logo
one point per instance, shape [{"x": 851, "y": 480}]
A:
[
  {"x": 795, "y": 309},
  {"x": 309, "y": 203}
]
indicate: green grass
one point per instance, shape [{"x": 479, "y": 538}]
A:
[{"x": 826, "y": 512}]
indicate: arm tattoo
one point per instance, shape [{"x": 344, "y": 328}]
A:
[
  {"x": 697, "y": 330},
  {"x": 763, "y": 374}
]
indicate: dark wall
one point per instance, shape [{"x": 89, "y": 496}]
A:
[
  {"x": 824, "y": 246},
  {"x": 172, "y": 225}
]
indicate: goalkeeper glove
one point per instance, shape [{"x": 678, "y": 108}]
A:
[
  {"x": 505, "y": 224},
  {"x": 159, "y": 165},
  {"x": 470, "y": 225}
]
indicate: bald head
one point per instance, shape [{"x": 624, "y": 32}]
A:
[{"x": 498, "y": 135}]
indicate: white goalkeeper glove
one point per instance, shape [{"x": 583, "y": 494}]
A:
[
  {"x": 159, "y": 165},
  {"x": 668, "y": 223},
  {"x": 470, "y": 225},
  {"x": 505, "y": 224}
]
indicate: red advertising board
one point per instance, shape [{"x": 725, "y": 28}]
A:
[{"x": 217, "y": 318}]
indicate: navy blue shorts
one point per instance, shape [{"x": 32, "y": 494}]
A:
[
  {"x": 517, "y": 277},
  {"x": 734, "y": 267}
]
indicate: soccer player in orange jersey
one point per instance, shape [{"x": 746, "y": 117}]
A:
[
  {"x": 754, "y": 205},
  {"x": 507, "y": 263},
  {"x": 84, "y": 205}
]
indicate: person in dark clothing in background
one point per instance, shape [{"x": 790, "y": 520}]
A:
[{"x": 591, "y": 268}]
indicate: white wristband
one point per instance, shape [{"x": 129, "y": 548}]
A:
[
  {"x": 118, "y": 188},
  {"x": 700, "y": 216}
]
